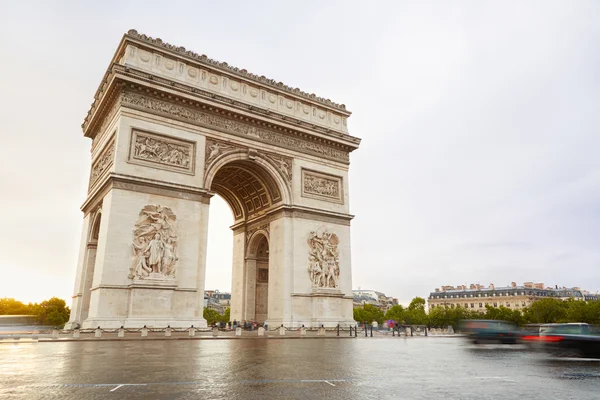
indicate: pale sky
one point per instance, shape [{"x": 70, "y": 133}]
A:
[{"x": 480, "y": 125}]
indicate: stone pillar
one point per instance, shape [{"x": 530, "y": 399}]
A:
[
  {"x": 144, "y": 331},
  {"x": 76, "y": 303},
  {"x": 98, "y": 332},
  {"x": 168, "y": 331},
  {"x": 215, "y": 331},
  {"x": 261, "y": 331},
  {"x": 192, "y": 331},
  {"x": 321, "y": 331},
  {"x": 303, "y": 331},
  {"x": 281, "y": 330},
  {"x": 121, "y": 333},
  {"x": 76, "y": 334},
  {"x": 238, "y": 331}
]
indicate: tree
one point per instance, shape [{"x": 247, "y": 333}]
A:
[
  {"x": 546, "y": 311},
  {"x": 14, "y": 307},
  {"x": 415, "y": 314},
  {"x": 52, "y": 312},
  {"x": 395, "y": 313},
  {"x": 211, "y": 316},
  {"x": 368, "y": 313}
]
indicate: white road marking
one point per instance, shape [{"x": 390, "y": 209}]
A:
[
  {"x": 329, "y": 383},
  {"x": 112, "y": 390}
]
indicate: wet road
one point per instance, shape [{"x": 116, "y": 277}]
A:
[{"x": 407, "y": 368}]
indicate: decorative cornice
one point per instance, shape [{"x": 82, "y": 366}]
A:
[
  {"x": 123, "y": 72},
  {"x": 199, "y": 114},
  {"x": 180, "y": 50}
]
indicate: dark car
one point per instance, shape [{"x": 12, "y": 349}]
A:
[
  {"x": 490, "y": 331},
  {"x": 568, "y": 340}
]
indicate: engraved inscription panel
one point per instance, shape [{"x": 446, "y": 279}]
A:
[
  {"x": 322, "y": 186},
  {"x": 164, "y": 152}
]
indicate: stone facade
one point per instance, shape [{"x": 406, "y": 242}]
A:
[
  {"x": 476, "y": 297},
  {"x": 170, "y": 129}
]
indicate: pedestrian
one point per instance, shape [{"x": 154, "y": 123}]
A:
[
  {"x": 375, "y": 325},
  {"x": 234, "y": 324}
]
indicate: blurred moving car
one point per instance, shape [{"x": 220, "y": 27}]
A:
[
  {"x": 481, "y": 331},
  {"x": 567, "y": 340}
]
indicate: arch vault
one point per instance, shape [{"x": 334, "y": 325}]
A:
[{"x": 171, "y": 128}]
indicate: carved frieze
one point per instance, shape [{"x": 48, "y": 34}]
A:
[
  {"x": 162, "y": 152},
  {"x": 103, "y": 162},
  {"x": 214, "y": 149},
  {"x": 284, "y": 165},
  {"x": 323, "y": 258},
  {"x": 189, "y": 114},
  {"x": 154, "y": 244},
  {"x": 322, "y": 186}
]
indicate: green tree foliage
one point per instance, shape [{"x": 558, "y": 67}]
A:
[
  {"x": 49, "y": 312},
  {"x": 545, "y": 311},
  {"x": 212, "y": 317},
  {"x": 368, "y": 313},
  {"x": 395, "y": 313},
  {"x": 415, "y": 313},
  {"x": 504, "y": 314},
  {"x": 52, "y": 312},
  {"x": 14, "y": 307}
]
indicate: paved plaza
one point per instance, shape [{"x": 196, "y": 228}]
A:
[{"x": 362, "y": 368}]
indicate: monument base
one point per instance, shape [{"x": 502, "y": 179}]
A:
[{"x": 322, "y": 307}]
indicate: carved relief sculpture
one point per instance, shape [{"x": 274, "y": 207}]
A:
[
  {"x": 322, "y": 186},
  {"x": 144, "y": 102},
  {"x": 154, "y": 244},
  {"x": 284, "y": 164},
  {"x": 323, "y": 256},
  {"x": 103, "y": 163},
  {"x": 214, "y": 149},
  {"x": 162, "y": 152}
]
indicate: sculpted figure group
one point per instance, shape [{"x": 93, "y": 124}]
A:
[
  {"x": 154, "y": 244},
  {"x": 160, "y": 151},
  {"x": 324, "y": 265}
]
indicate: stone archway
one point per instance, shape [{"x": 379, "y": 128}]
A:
[{"x": 170, "y": 129}]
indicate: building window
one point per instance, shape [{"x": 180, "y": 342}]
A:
[
  {"x": 495, "y": 304},
  {"x": 472, "y": 305},
  {"x": 523, "y": 304},
  {"x": 507, "y": 304},
  {"x": 480, "y": 305}
]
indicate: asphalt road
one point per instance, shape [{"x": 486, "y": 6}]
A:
[{"x": 363, "y": 368}]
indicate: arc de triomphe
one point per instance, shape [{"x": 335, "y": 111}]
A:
[{"x": 171, "y": 128}]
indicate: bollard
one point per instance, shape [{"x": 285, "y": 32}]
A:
[
  {"x": 371, "y": 330},
  {"x": 55, "y": 334},
  {"x": 281, "y": 330},
  {"x": 76, "y": 334},
  {"x": 303, "y": 331},
  {"x": 425, "y": 331},
  {"x": 356, "y": 331},
  {"x": 121, "y": 332},
  {"x": 350, "y": 331},
  {"x": 98, "y": 332},
  {"x": 366, "y": 333},
  {"x": 238, "y": 331},
  {"x": 321, "y": 331},
  {"x": 338, "y": 329},
  {"x": 261, "y": 331},
  {"x": 192, "y": 331},
  {"x": 393, "y": 332},
  {"x": 168, "y": 331},
  {"x": 215, "y": 331},
  {"x": 144, "y": 331},
  {"x": 411, "y": 331}
]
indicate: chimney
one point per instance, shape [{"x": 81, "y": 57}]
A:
[
  {"x": 528, "y": 285},
  {"x": 513, "y": 284},
  {"x": 492, "y": 286},
  {"x": 437, "y": 290}
]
